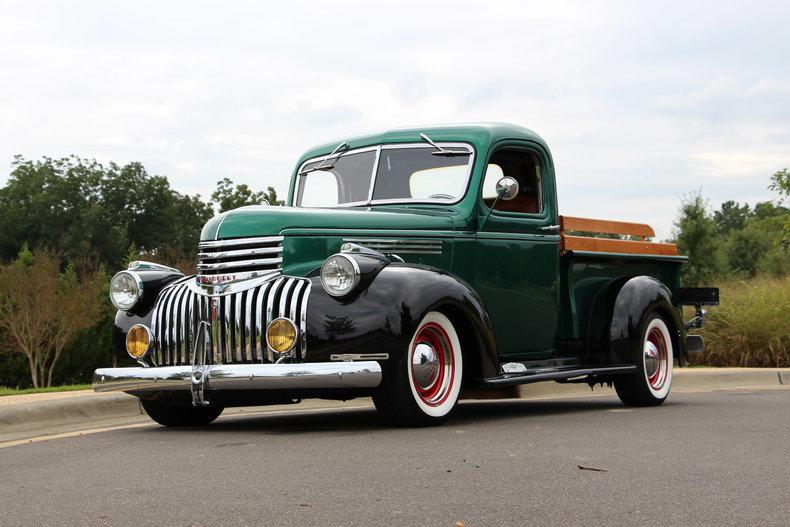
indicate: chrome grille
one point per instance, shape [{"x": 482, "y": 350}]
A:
[
  {"x": 240, "y": 258},
  {"x": 399, "y": 246},
  {"x": 238, "y": 321}
]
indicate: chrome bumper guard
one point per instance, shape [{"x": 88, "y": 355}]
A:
[{"x": 363, "y": 374}]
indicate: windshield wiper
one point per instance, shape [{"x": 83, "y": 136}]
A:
[
  {"x": 321, "y": 165},
  {"x": 443, "y": 151}
]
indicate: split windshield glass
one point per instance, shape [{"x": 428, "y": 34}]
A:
[{"x": 404, "y": 174}]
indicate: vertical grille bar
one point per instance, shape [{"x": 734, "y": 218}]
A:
[
  {"x": 227, "y": 324},
  {"x": 260, "y": 321},
  {"x": 214, "y": 307},
  {"x": 249, "y": 323},
  {"x": 303, "y": 317},
  {"x": 238, "y": 321},
  {"x": 191, "y": 327}
]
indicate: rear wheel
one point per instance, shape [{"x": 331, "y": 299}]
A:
[
  {"x": 649, "y": 385},
  {"x": 423, "y": 390},
  {"x": 172, "y": 415}
]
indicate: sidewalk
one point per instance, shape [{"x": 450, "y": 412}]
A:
[{"x": 25, "y": 416}]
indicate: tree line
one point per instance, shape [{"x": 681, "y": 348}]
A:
[
  {"x": 65, "y": 226},
  {"x": 737, "y": 240}
]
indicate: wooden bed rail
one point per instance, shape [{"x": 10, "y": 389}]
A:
[{"x": 585, "y": 243}]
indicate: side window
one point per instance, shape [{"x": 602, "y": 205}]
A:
[{"x": 522, "y": 166}]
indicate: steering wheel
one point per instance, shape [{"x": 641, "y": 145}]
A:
[{"x": 441, "y": 196}]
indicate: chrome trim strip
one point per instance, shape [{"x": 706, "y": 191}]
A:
[
  {"x": 216, "y": 234},
  {"x": 346, "y": 357},
  {"x": 242, "y": 252},
  {"x": 364, "y": 374},
  {"x": 239, "y": 263},
  {"x": 399, "y": 245},
  {"x": 206, "y": 244}
]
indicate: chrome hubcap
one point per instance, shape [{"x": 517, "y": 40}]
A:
[
  {"x": 651, "y": 358},
  {"x": 656, "y": 359},
  {"x": 425, "y": 365}
]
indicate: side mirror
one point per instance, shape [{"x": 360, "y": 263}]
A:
[{"x": 507, "y": 188}]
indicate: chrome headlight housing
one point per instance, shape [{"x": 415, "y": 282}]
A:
[
  {"x": 126, "y": 289},
  {"x": 340, "y": 274}
]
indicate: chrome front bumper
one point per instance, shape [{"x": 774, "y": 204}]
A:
[{"x": 363, "y": 374}]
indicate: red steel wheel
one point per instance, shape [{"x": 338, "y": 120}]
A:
[
  {"x": 424, "y": 387},
  {"x": 435, "y": 364},
  {"x": 649, "y": 385}
]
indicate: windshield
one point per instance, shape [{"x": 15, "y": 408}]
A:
[{"x": 403, "y": 173}]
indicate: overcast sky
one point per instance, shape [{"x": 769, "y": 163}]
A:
[{"x": 640, "y": 102}]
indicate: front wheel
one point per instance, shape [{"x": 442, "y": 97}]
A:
[
  {"x": 649, "y": 385},
  {"x": 423, "y": 390},
  {"x": 173, "y": 415}
]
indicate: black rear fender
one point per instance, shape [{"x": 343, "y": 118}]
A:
[{"x": 636, "y": 298}]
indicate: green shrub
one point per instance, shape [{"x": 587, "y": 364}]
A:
[{"x": 751, "y": 327}]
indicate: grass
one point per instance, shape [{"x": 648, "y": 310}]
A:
[
  {"x": 22, "y": 391},
  {"x": 751, "y": 327}
]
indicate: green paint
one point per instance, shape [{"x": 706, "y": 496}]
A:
[{"x": 534, "y": 297}]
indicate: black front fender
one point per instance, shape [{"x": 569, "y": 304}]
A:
[
  {"x": 384, "y": 316},
  {"x": 154, "y": 282}
]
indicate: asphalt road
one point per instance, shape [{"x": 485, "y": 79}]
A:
[{"x": 714, "y": 458}]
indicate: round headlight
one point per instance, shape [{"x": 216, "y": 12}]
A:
[
  {"x": 281, "y": 335},
  {"x": 138, "y": 341},
  {"x": 126, "y": 288},
  {"x": 339, "y": 275}
]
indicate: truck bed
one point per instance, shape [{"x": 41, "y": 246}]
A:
[{"x": 589, "y": 264}]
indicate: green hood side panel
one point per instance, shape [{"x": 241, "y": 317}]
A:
[{"x": 311, "y": 235}]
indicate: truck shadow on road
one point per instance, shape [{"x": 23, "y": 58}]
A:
[{"x": 365, "y": 419}]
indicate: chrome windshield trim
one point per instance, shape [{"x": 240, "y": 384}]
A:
[{"x": 391, "y": 146}]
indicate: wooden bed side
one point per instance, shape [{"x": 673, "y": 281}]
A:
[{"x": 584, "y": 243}]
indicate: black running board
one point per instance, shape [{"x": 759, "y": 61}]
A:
[{"x": 510, "y": 379}]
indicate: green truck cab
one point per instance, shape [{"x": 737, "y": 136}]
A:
[{"x": 415, "y": 266}]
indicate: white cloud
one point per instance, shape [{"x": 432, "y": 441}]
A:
[{"x": 640, "y": 103}]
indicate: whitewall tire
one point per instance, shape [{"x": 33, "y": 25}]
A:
[{"x": 425, "y": 386}]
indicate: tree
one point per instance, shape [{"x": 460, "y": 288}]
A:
[
  {"x": 228, "y": 196},
  {"x": 271, "y": 197},
  {"x": 42, "y": 309},
  {"x": 732, "y": 216},
  {"x": 780, "y": 183},
  {"x": 695, "y": 236},
  {"x": 67, "y": 204}
]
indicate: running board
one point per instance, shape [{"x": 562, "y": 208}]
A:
[{"x": 509, "y": 379}]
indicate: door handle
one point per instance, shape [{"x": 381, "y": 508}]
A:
[{"x": 550, "y": 228}]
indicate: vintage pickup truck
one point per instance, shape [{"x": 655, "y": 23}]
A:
[{"x": 415, "y": 266}]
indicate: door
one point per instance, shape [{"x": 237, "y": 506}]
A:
[{"x": 517, "y": 253}]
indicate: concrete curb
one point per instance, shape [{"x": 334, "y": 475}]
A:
[{"x": 33, "y": 417}]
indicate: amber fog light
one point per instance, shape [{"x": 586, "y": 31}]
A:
[
  {"x": 281, "y": 335},
  {"x": 138, "y": 341}
]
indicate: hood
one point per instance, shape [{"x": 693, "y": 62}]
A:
[{"x": 269, "y": 221}]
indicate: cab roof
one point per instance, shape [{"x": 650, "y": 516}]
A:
[{"x": 480, "y": 135}]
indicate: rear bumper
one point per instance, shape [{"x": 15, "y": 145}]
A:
[{"x": 363, "y": 374}]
